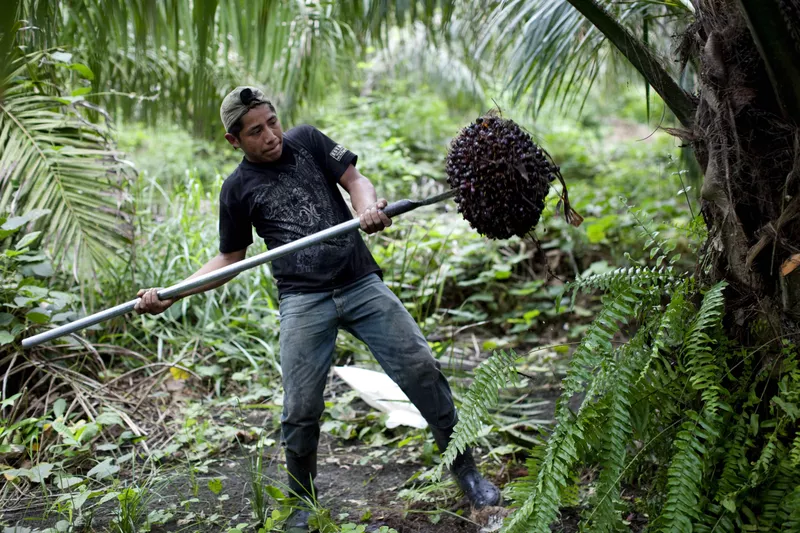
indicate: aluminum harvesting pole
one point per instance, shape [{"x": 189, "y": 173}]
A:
[{"x": 391, "y": 210}]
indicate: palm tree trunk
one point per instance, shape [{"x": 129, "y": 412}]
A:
[{"x": 750, "y": 152}]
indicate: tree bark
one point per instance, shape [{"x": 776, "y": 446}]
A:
[{"x": 749, "y": 153}]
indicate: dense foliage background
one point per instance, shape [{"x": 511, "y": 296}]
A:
[{"x": 621, "y": 375}]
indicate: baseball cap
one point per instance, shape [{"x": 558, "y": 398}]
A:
[{"x": 238, "y": 102}]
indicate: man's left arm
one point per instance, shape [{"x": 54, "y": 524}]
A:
[{"x": 367, "y": 205}]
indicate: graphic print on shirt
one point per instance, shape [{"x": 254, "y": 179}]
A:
[{"x": 298, "y": 203}]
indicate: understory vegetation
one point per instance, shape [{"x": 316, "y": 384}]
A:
[
  {"x": 178, "y": 388},
  {"x": 620, "y": 375}
]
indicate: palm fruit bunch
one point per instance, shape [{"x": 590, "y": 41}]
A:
[{"x": 500, "y": 177}]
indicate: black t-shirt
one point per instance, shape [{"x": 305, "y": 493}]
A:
[{"x": 290, "y": 198}]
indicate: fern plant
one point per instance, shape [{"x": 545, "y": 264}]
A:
[
  {"x": 704, "y": 428},
  {"x": 491, "y": 376}
]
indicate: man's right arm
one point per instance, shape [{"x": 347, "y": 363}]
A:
[{"x": 150, "y": 303}]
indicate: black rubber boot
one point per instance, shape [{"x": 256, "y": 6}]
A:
[
  {"x": 479, "y": 491},
  {"x": 298, "y": 521},
  {"x": 302, "y": 471}
]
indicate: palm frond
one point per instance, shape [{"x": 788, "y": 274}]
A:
[
  {"x": 375, "y": 18},
  {"x": 9, "y": 26},
  {"x": 51, "y": 157},
  {"x": 773, "y": 26},
  {"x": 184, "y": 57},
  {"x": 410, "y": 54},
  {"x": 553, "y": 52}
]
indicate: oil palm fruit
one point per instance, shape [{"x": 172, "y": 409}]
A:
[{"x": 501, "y": 178}]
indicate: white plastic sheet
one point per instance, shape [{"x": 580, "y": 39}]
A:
[{"x": 381, "y": 393}]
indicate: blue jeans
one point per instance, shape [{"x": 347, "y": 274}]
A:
[{"x": 369, "y": 310}]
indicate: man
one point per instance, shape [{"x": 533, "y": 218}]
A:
[{"x": 286, "y": 187}]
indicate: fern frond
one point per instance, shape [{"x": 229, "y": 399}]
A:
[
  {"x": 644, "y": 277},
  {"x": 615, "y": 431},
  {"x": 617, "y": 309},
  {"x": 790, "y": 512},
  {"x": 736, "y": 464},
  {"x": 701, "y": 361},
  {"x": 773, "y": 497},
  {"x": 523, "y": 487},
  {"x": 684, "y": 476},
  {"x": 493, "y": 375},
  {"x": 698, "y": 435},
  {"x": 670, "y": 332},
  {"x": 563, "y": 448},
  {"x": 541, "y": 507},
  {"x": 770, "y": 454}
]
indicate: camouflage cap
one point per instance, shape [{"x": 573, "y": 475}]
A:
[{"x": 238, "y": 102}]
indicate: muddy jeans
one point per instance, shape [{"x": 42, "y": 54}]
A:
[{"x": 370, "y": 311}]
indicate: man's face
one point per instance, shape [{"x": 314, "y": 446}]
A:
[{"x": 261, "y": 138}]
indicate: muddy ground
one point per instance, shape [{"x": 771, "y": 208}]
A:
[{"x": 359, "y": 481}]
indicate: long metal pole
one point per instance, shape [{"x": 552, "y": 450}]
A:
[{"x": 392, "y": 210}]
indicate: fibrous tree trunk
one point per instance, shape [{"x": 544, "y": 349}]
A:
[{"x": 748, "y": 144}]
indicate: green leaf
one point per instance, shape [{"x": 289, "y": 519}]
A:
[
  {"x": 27, "y": 240},
  {"x": 69, "y": 100},
  {"x": 112, "y": 495},
  {"x": 61, "y": 164},
  {"x": 502, "y": 274},
  {"x": 43, "y": 269},
  {"x": 61, "y": 57},
  {"x": 530, "y": 315},
  {"x": 103, "y": 470},
  {"x": 34, "y": 291},
  {"x": 65, "y": 432},
  {"x": 6, "y": 319},
  {"x": 22, "y": 301},
  {"x": 640, "y": 56},
  {"x": 81, "y": 91},
  {"x": 65, "y": 482},
  {"x": 595, "y": 233},
  {"x": 86, "y": 432},
  {"x": 729, "y": 504},
  {"x": 5, "y": 337},
  {"x": 59, "y": 407},
  {"x": 81, "y": 498},
  {"x": 8, "y": 402},
  {"x": 37, "y": 316},
  {"x": 208, "y": 371},
  {"x": 215, "y": 485},
  {"x": 109, "y": 418},
  {"x": 275, "y": 493},
  {"x": 40, "y": 472},
  {"x": 83, "y": 70},
  {"x": 17, "y": 222}
]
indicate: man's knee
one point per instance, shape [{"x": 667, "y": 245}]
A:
[
  {"x": 300, "y": 424},
  {"x": 420, "y": 370}
]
